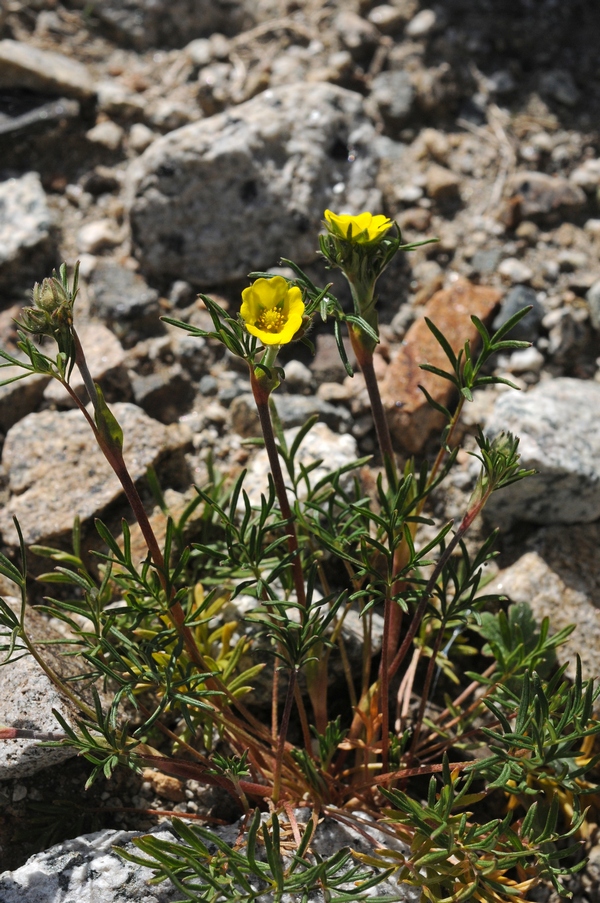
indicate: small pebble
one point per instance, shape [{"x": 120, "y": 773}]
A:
[
  {"x": 297, "y": 376},
  {"x": 19, "y": 793},
  {"x": 140, "y": 137},
  {"x": 422, "y": 24},
  {"x": 515, "y": 270},
  {"x": 97, "y": 235},
  {"x": 526, "y": 360},
  {"x": 106, "y": 133}
]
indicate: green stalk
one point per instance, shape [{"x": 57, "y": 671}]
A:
[
  {"x": 115, "y": 458},
  {"x": 261, "y": 394},
  {"x": 364, "y": 356}
]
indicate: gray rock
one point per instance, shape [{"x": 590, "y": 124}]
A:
[
  {"x": 164, "y": 394},
  {"x": 216, "y": 199},
  {"x": 17, "y": 399},
  {"x": 568, "y": 333},
  {"x": 442, "y": 184},
  {"x": 393, "y": 95},
  {"x": 559, "y": 578},
  {"x": 298, "y": 377},
  {"x": 501, "y": 82},
  {"x": 527, "y": 329},
  {"x": 327, "y": 365},
  {"x": 26, "y": 244},
  {"x": 193, "y": 353},
  {"x": 55, "y": 469},
  {"x": 123, "y": 300},
  {"x": 25, "y": 66},
  {"x": 293, "y": 410},
  {"x": 558, "y": 425},
  {"x": 485, "y": 260},
  {"x": 540, "y": 195},
  {"x": 157, "y": 23},
  {"x": 87, "y": 869},
  {"x": 27, "y": 697}
]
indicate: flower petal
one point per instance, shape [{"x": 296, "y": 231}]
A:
[
  {"x": 272, "y": 310},
  {"x": 363, "y": 228}
]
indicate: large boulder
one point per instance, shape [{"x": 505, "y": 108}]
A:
[
  {"x": 218, "y": 198},
  {"x": 557, "y": 422},
  {"x": 56, "y": 471}
]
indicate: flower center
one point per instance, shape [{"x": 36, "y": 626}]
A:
[{"x": 271, "y": 320}]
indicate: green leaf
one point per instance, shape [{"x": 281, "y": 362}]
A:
[{"x": 107, "y": 423}]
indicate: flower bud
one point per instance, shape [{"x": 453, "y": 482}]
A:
[{"x": 50, "y": 295}]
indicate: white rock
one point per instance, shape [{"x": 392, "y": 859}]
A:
[
  {"x": 25, "y": 230},
  {"x": 88, "y": 870},
  {"x": 140, "y": 137},
  {"x": 422, "y": 24},
  {"x": 106, "y": 133},
  {"x": 115, "y": 100},
  {"x": 24, "y": 66},
  {"x": 297, "y": 376},
  {"x": 592, "y": 227},
  {"x": 515, "y": 270},
  {"x": 386, "y": 17},
  {"x": 527, "y": 360},
  {"x": 587, "y": 176},
  {"x": 97, "y": 235}
]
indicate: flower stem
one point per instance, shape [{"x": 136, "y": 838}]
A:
[
  {"x": 114, "y": 456},
  {"x": 261, "y": 397},
  {"x": 364, "y": 357}
]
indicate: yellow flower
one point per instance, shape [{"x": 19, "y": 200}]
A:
[
  {"x": 272, "y": 310},
  {"x": 363, "y": 229}
]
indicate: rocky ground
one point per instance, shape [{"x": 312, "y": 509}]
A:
[{"x": 174, "y": 147}]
